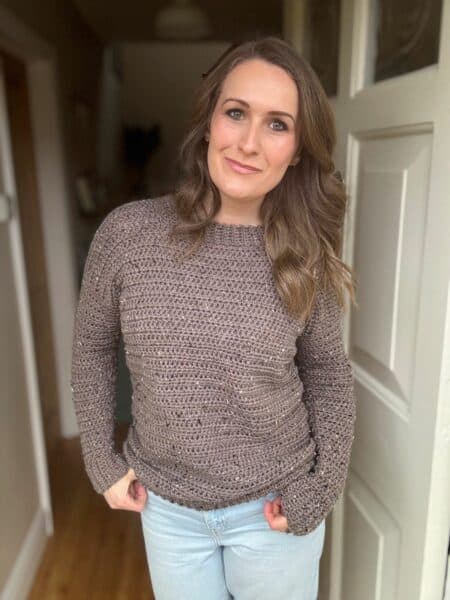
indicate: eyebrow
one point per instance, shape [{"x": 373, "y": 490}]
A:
[{"x": 271, "y": 112}]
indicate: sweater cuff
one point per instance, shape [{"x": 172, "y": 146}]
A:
[
  {"x": 105, "y": 470},
  {"x": 305, "y": 502}
]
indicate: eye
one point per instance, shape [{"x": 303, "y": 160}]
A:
[
  {"x": 281, "y": 125},
  {"x": 233, "y": 110}
]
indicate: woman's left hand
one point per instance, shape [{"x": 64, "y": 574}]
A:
[{"x": 274, "y": 515}]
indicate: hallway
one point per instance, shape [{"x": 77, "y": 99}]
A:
[{"x": 95, "y": 553}]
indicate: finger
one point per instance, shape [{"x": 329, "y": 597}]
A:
[
  {"x": 268, "y": 511},
  {"x": 280, "y": 523},
  {"x": 133, "y": 489},
  {"x": 277, "y": 522},
  {"x": 128, "y": 503},
  {"x": 276, "y": 508},
  {"x": 141, "y": 492},
  {"x": 122, "y": 496},
  {"x": 141, "y": 503},
  {"x": 140, "y": 500}
]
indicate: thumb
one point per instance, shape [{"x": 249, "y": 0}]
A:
[
  {"x": 136, "y": 489},
  {"x": 140, "y": 493},
  {"x": 138, "y": 486},
  {"x": 136, "y": 493}
]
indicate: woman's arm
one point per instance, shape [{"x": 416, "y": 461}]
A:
[
  {"x": 96, "y": 335},
  {"x": 328, "y": 393}
]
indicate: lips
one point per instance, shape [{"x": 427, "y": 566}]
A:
[{"x": 241, "y": 168}]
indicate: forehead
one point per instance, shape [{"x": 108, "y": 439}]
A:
[{"x": 261, "y": 84}]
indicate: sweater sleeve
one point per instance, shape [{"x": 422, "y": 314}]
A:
[
  {"x": 328, "y": 393},
  {"x": 96, "y": 335}
]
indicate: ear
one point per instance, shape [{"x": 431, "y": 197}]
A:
[
  {"x": 206, "y": 136},
  {"x": 296, "y": 158}
]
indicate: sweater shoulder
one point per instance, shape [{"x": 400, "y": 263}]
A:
[
  {"x": 122, "y": 230},
  {"x": 131, "y": 217}
]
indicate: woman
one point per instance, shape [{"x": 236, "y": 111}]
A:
[{"x": 228, "y": 295}]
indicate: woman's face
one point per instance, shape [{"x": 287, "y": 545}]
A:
[{"x": 253, "y": 123}]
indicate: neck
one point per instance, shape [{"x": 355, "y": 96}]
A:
[{"x": 237, "y": 212}]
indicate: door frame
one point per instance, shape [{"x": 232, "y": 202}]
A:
[{"x": 57, "y": 219}]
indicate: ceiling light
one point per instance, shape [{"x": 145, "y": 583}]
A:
[{"x": 182, "y": 19}]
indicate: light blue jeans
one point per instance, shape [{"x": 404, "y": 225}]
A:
[{"x": 227, "y": 553}]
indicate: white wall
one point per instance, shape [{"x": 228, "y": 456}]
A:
[{"x": 159, "y": 81}]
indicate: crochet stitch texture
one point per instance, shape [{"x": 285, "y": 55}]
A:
[{"x": 232, "y": 397}]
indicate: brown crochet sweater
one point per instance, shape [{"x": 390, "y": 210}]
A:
[{"x": 232, "y": 397}]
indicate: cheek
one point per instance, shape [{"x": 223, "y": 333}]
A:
[
  {"x": 281, "y": 152},
  {"x": 223, "y": 132}
]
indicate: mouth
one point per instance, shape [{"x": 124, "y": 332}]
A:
[{"x": 241, "y": 168}]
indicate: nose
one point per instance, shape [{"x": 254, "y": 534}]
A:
[{"x": 249, "y": 139}]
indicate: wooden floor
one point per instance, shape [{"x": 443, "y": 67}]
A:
[{"x": 95, "y": 552}]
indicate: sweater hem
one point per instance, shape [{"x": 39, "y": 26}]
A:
[{"x": 198, "y": 505}]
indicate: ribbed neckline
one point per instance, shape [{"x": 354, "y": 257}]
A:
[
  {"x": 233, "y": 233},
  {"x": 227, "y": 233}
]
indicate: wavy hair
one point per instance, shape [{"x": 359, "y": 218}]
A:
[{"x": 303, "y": 215}]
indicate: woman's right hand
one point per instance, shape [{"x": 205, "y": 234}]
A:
[{"x": 127, "y": 494}]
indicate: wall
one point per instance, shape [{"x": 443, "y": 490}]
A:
[
  {"x": 159, "y": 81},
  {"x": 78, "y": 54},
  {"x": 79, "y": 62}
]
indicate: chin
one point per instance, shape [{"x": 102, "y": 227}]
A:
[
  {"x": 239, "y": 190},
  {"x": 238, "y": 194}
]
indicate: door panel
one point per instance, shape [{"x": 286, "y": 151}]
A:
[
  {"x": 394, "y": 143},
  {"x": 388, "y": 249},
  {"x": 374, "y": 538},
  {"x": 389, "y": 535}
]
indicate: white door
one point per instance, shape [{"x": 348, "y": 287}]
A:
[
  {"x": 394, "y": 149},
  {"x": 25, "y": 499}
]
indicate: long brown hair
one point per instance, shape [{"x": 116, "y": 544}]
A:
[{"x": 303, "y": 215}]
